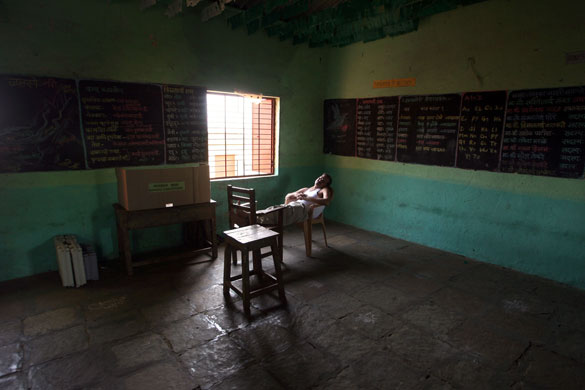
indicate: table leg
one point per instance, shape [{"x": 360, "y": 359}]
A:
[
  {"x": 213, "y": 238},
  {"x": 124, "y": 241},
  {"x": 124, "y": 248}
]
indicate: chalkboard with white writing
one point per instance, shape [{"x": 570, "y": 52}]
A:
[
  {"x": 480, "y": 130},
  {"x": 376, "y": 128},
  {"x": 545, "y": 132},
  {"x": 427, "y": 129},
  {"x": 122, "y": 123},
  {"x": 185, "y": 120}
]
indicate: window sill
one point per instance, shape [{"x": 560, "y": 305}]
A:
[{"x": 220, "y": 179}]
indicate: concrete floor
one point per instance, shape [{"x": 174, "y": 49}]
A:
[{"x": 370, "y": 312}]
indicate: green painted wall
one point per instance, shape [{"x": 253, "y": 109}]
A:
[
  {"x": 114, "y": 40},
  {"x": 532, "y": 224}
]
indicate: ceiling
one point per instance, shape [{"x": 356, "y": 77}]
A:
[{"x": 320, "y": 23}]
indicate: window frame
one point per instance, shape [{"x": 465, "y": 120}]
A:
[{"x": 275, "y": 110}]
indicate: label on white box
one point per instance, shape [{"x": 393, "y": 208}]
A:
[{"x": 166, "y": 187}]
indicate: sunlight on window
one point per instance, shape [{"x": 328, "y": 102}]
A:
[{"x": 240, "y": 136}]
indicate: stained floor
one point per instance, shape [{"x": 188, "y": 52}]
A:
[{"x": 370, "y": 312}]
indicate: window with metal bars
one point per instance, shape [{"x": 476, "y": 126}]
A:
[{"x": 241, "y": 135}]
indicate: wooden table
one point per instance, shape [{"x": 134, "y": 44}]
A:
[{"x": 189, "y": 215}]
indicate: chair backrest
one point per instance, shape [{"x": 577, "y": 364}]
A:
[
  {"x": 241, "y": 206},
  {"x": 316, "y": 212}
]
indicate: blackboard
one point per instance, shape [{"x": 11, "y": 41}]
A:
[
  {"x": 376, "y": 128},
  {"x": 545, "y": 132},
  {"x": 427, "y": 129},
  {"x": 39, "y": 124},
  {"x": 122, "y": 123},
  {"x": 339, "y": 126},
  {"x": 480, "y": 130},
  {"x": 185, "y": 120}
]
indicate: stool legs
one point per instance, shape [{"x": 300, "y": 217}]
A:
[
  {"x": 227, "y": 270},
  {"x": 278, "y": 270},
  {"x": 257, "y": 264},
  {"x": 275, "y": 282}
]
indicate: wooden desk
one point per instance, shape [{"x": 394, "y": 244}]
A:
[{"x": 189, "y": 215}]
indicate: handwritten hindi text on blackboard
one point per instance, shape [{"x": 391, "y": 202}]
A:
[
  {"x": 545, "y": 132},
  {"x": 427, "y": 129},
  {"x": 122, "y": 123},
  {"x": 376, "y": 128},
  {"x": 185, "y": 119}
]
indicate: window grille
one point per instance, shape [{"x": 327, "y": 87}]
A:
[{"x": 241, "y": 135}]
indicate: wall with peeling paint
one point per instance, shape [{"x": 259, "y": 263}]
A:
[
  {"x": 529, "y": 223},
  {"x": 114, "y": 40}
]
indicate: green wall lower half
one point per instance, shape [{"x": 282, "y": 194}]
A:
[
  {"x": 33, "y": 215},
  {"x": 527, "y": 232}
]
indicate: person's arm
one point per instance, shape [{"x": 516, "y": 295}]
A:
[
  {"x": 301, "y": 191},
  {"x": 294, "y": 195},
  {"x": 321, "y": 200}
]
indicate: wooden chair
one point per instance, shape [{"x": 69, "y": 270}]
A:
[
  {"x": 308, "y": 230},
  {"x": 242, "y": 212}
]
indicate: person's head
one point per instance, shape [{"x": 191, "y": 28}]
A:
[{"x": 323, "y": 181}]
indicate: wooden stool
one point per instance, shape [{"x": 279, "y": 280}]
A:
[{"x": 251, "y": 238}]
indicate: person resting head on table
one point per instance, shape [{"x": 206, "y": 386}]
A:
[{"x": 297, "y": 204}]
